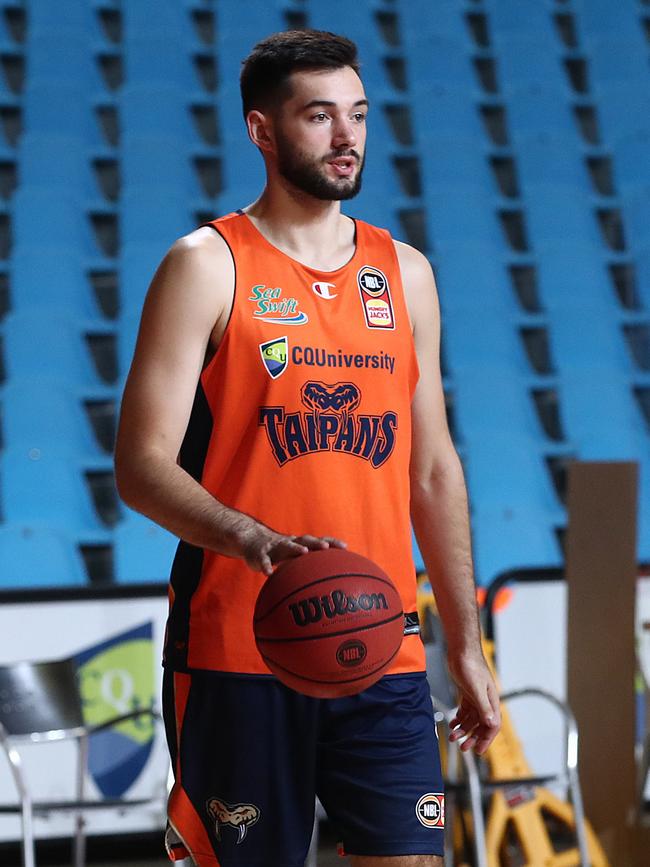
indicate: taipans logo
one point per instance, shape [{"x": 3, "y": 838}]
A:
[
  {"x": 430, "y": 810},
  {"x": 323, "y": 290},
  {"x": 375, "y": 298},
  {"x": 272, "y": 307},
  {"x": 331, "y": 424},
  {"x": 274, "y": 356},
  {"x": 240, "y": 817}
]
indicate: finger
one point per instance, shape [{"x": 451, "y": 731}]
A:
[
  {"x": 266, "y": 566},
  {"x": 335, "y": 543},
  {"x": 313, "y": 543},
  {"x": 286, "y": 548},
  {"x": 493, "y": 697}
]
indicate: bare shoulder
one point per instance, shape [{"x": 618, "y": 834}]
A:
[
  {"x": 417, "y": 278},
  {"x": 196, "y": 273},
  {"x": 412, "y": 262},
  {"x": 202, "y": 250}
]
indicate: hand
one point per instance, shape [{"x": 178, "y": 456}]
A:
[
  {"x": 478, "y": 718},
  {"x": 263, "y": 548}
]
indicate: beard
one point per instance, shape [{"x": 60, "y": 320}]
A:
[{"x": 308, "y": 173}]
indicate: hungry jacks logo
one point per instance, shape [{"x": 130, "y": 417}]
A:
[{"x": 329, "y": 423}]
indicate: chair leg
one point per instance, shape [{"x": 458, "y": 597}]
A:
[
  {"x": 79, "y": 854},
  {"x": 29, "y": 854},
  {"x": 312, "y": 855}
]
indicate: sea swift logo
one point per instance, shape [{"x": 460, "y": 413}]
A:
[
  {"x": 271, "y": 307},
  {"x": 241, "y": 817},
  {"x": 274, "y": 356},
  {"x": 329, "y": 425}
]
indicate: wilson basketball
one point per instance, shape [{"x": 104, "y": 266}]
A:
[{"x": 328, "y": 623}]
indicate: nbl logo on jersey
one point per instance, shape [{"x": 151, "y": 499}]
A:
[
  {"x": 375, "y": 298},
  {"x": 329, "y": 423}
]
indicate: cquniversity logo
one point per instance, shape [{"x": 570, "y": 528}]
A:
[
  {"x": 115, "y": 677},
  {"x": 274, "y": 356}
]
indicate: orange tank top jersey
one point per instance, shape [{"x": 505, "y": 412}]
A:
[{"x": 302, "y": 420}]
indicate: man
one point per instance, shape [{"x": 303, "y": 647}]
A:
[{"x": 274, "y": 407}]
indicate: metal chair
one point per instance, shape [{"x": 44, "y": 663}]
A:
[
  {"x": 40, "y": 703},
  {"x": 466, "y": 778}
]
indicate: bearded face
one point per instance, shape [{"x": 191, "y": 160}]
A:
[{"x": 320, "y": 177}]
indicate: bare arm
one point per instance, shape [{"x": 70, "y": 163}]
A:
[
  {"x": 439, "y": 513},
  {"x": 183, "y": 320}
]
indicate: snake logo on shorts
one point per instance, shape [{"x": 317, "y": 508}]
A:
[{"x": 240, "y": 817}]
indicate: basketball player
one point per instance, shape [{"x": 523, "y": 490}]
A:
[{"x": 285, "y": 396}]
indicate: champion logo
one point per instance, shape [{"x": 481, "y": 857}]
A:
[{"x": 323, "y": 290}]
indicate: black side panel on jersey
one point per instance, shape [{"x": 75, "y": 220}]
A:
[{"x": 188, "y": 562}]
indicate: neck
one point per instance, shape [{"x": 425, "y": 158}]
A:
[{"x": 298, "y": 223}]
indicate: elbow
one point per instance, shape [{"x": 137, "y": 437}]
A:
[
  {"x": 124, "y": 481},
  {"x": 427, "y": 482}
]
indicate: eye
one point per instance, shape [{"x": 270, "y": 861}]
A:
[
  {"x": 320, "y": 116},
  {"x": 359, "y": 117}
]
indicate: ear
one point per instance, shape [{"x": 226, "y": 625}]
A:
[{"x": 260, "y": 130}]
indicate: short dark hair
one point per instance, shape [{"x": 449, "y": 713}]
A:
[{"x": 264, "y": 79}]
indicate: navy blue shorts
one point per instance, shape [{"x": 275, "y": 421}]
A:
[{"x": 249, "y": 756}]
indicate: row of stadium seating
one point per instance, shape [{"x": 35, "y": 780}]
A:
[{"x": 508, "y": 140}]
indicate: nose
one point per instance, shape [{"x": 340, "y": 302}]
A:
[{"x": 343, "y": 134}]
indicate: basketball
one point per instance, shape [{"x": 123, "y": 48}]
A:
[{"x": 328, "y": 623}]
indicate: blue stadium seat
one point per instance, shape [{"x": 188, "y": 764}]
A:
[
  {"x": 528, "y": 60},
  {"x": 600, "y": 416},
  {"x": 467, "y": 271},
  {"x": 636, "y": 212},
  {"x": 44, "y": 276},
  {"x": 144, "y": 552},
  {"x": 613, "y": 58},
  {"x": 483, "y": 340},
  {"x": 517, "y": 538},
  {"x": 602, "y": 17},
  {"x": 446, "y": 109},
  {"x": 516, "y": 20},
  {"x": 40, "y": 414},
  {"x": 439, "y": 60},
  {"x": 631, "y": 164},
  {"x": 38, "y": 557},
  {"x": 417, "y": 22},
  {"x": 559, "y": 211},
  {"x": 552, "y": 162},
  {"x": 622, "y": 110},
  {"x": 243, "y": 169},
  {"x": 571, "y": 276},
  {"x": 48, "y": 487},
  {"x": 466, "y": 216},
  {"x": 538, "y": 110},
  {"x": 453, "y": 163},
  {"x": 492, "y": 402},
  {"x": 584, "y": 340},
  {"x": 42, "y": 340},
  {"x": 642, "y": 261}
]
